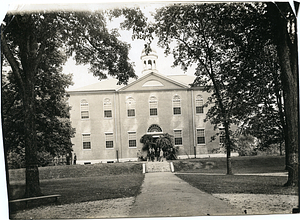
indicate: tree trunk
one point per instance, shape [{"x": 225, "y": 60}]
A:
[
  {"x": 32, "y": 173},
  {"x": 287, "y": 53},
  {"x": 228, "y": 149}
]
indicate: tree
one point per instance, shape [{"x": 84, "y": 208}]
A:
[
  {"x": 164, "y": 142},
  {"x": 25, "y": 41},
  {"x": 284, "y": 35},
  {"x": 219, "y": 39},
  {"x": 54, "y": 129}
]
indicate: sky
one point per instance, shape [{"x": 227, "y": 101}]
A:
[{"x": 82, "y": 77}]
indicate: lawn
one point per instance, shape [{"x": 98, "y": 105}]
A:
[
  {"x": 239, "y": 184},
  {"x": 217, "y": 182},
  {"x": 90, "y": 188},
  {"x": 254, "y": 164}
]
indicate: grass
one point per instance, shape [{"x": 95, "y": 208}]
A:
[
  {"x": 217, "y": 182},
  {"x": 81, "y": 189},
  {"x": 254, "y": 164},
  {"x": 239, "y": 184}
]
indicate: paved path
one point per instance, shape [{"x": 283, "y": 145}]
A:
[{"x": 164, "y": 194}]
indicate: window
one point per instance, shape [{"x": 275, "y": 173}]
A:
[
  {"x": 153, "y": 105},
  {"x": 222, "y": 135},
  {"x": 200, "y": 136},
  {"x": 107, "y": 108},
  {"x": 84, "y": 109},
  {"x": 130, "y": 105},
  {"x": 176, "y": 105},
  {"x": 86, "y": 141},
  {"x": 178, "y": 137},
  {"x": 132, "y": 139},
  {"x": 199, "y": 104},
  {"x": 109, "y": 140}
]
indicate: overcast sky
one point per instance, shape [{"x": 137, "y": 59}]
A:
[{"x": 81, "y": 75}]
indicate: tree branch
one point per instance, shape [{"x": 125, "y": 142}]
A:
[{"x": 12, "y": 61}]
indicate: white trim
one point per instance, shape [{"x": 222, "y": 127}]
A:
[
  {"x": 203, "y": 135},
  {"x": 180, "y": 137},
  {"x": 90, "y": 140},
  {"x": 87, "y": 110},
  {"x": 176, "y": 95}
]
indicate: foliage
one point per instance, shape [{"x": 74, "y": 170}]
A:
[
  {"x": 283, "y": 23},
  {"x": 246, "y": 145},
  {"x": 27, "y": 39},
  {"x": 225, "y": 43},
  {"x": 164, "y": 142},
  {"x": 147, "y": 141},
  {"x": 53, "y": 126}
]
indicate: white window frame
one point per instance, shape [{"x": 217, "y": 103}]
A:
[
  {"x": 181, "y": 136},
  {"x": 130, "y": 106},
  {"x": 200, "y": 136},
  {"x": 84, "y": 140},
  {"x": 107, "y": 106},
  {"x": 109, "y": 139},
  {"x": 84, "y": 107},
  {"x": 222, "y": 137},
  {"x": 176, "y": 103},
  {"x": 131, "y": 137},
  {"x": 199, "y": 99},
  {"x": 153, "y": 104}
]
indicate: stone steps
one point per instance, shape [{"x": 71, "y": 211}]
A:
[{"x": 152, "y": 167}]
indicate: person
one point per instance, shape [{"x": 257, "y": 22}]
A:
[
  {"x": 139, "y": 155},
  {"x": 157, "y": 153},
  {"x": 152, "y": 152},
  {"x": 75, "y": 158},
  {"x": 161, "y": 155}
]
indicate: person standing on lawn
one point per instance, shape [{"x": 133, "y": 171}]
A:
[{"x": 75, "y": 158}]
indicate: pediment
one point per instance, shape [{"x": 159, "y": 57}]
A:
[{"x": 153, "y": 81}]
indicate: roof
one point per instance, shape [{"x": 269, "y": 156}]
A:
[{"x": 111, "y": 84}]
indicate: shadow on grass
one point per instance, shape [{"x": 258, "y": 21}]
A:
[
  {"x": 231, "y": 184},
  {"x": 74, "y": 190},
  {"x": 246, "y": 164}
]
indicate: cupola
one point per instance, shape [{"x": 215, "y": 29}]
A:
[{"x": 149, "y": 61}]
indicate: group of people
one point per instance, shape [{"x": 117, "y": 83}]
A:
[{"x": 155, "y": 154}]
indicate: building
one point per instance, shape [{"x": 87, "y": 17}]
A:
[{"x": 110, "y": 119}]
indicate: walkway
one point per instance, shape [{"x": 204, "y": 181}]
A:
[{"x": 164, "y": 194}]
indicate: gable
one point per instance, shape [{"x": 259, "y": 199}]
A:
[{"x": 153, "y": 81}]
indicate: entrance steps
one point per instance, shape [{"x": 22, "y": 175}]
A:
[{"x": 152, "y": 167}]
